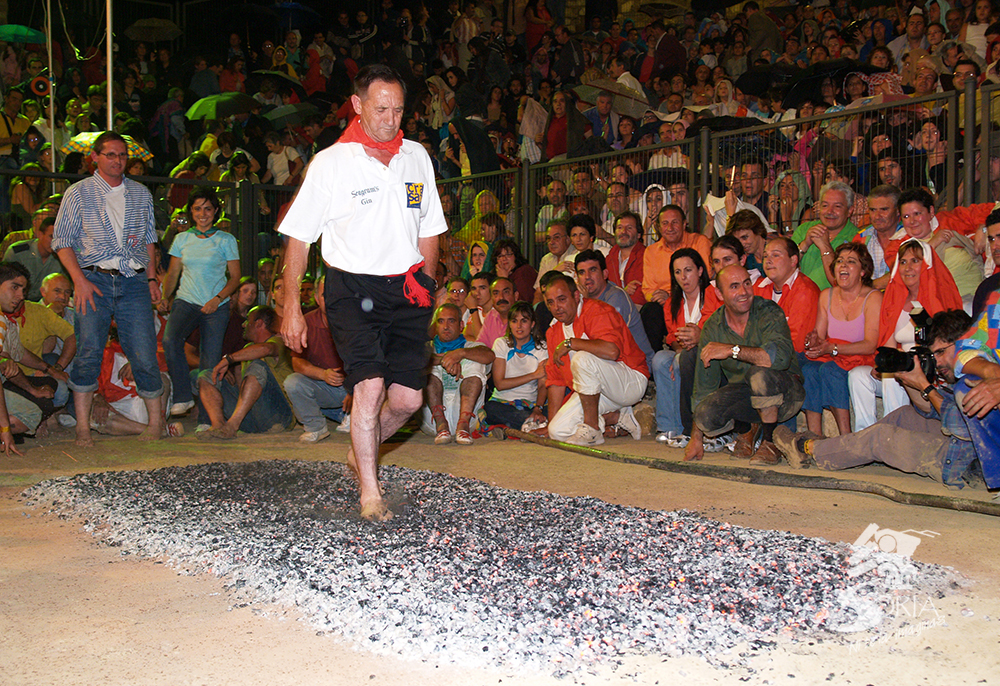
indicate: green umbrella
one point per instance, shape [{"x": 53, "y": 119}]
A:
[
  {"x": 221, "y": 106},
  {"x": 290, "y": 115},
  {"x": 15, "y": 33}
]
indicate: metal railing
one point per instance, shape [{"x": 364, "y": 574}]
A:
[{"x": 966, "y": 171}]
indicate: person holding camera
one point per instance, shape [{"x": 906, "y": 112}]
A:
[
  {"x": 919, "y": 282},
  {"x": 911, "y": 438}
]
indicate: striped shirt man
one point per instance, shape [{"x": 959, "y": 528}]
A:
[{"x": 88, "y": 216}]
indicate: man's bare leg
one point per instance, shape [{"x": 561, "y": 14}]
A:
[
  {"x": 250, "y": 392},
  {"x": 376, "y": 415},
  {"x": 469, "y": 393},
  {"x": 154, "y": 411},
  {"x": 435, "y": 401},
  {"x": 211, "y": 400},
  {"x": 589, "y": 404},
  {"x": 83, "y": 402}
]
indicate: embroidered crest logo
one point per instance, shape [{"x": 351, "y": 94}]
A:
[{"x": 414, "y": 194}]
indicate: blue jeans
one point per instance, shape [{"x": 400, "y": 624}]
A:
[
  {"x": 127, "y": 301},
  {"x": 310, "y": 398},
  {"x": 667, "y": 375},
  {"x": 826, "y": 385},
  {"x": 505, "y": 415},
  {"x": 184, "y": 319}
]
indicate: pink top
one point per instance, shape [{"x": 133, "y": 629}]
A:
[{"x": 852, "y": 330}]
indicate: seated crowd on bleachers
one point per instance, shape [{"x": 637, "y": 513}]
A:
[{"x": 820, "y": 242}]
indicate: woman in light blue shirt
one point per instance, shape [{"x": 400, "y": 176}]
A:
[{"x": 206, "y": 261}]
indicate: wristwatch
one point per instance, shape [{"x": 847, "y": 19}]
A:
[
  {"x": 736, "y": 352},
  {"x": 835, "y": 351},
  {"x": 926, "y": 393}
]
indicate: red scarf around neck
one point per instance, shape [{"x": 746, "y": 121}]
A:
[
  {"x": 17, "y": 315},
  {"x": 356, "y": 134}
]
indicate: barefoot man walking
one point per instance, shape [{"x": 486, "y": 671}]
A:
[{"x": 372, "y": 198}]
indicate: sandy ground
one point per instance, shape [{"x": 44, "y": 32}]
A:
[{"x": 75, "y": 612}]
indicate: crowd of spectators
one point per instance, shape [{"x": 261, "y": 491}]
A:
[{"x": 842, "y": 224}]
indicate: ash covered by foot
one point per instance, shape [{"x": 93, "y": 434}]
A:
[{"x": 482, "y": 576}]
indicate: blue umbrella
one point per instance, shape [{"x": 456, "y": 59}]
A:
[
  {"x": 295, "y": 15},
  {"x": 15, "y": 33}
]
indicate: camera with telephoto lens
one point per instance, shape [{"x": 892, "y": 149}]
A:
[{"x": 890, "y": 360}]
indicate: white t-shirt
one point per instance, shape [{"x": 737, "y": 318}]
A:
[
  {"x": 278, "y": 164},
  {"x": 370, "y": 216},
  {"x": 114, "y": 205},
  {"x": 518, "y": 365}
]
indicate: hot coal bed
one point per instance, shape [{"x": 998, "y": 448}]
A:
[{"x": 480, "y": 576}]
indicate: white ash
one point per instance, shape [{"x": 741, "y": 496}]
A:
[{"x": 481, "y": 576}]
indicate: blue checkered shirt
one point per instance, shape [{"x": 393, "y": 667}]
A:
[
  {"x": 83, "y": 225},
  {"x": 875, "y": 249}
]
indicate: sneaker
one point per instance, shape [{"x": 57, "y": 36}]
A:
[
  {"x": 767, "y": 455},
  {"x": 719, "y": 443},
  {"x": 498, "y": 433},
  {"x": 180, "y": 408},
  {"x": 674, "y": 440},
  {"x": 530, "y": 425},
  {"x": 791, "y": 446},
  {"x": 628, "y": 422},
  {"x": 314, "y": 436},
  {"x": 586, "y": 435},
  {"x": 345, "y": 425}
]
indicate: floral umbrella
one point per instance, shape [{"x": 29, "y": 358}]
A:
[{"x": 84, "y": 143}]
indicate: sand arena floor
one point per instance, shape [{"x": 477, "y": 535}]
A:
[{"x": 77, "y": 612}]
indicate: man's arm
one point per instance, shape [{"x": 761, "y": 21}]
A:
[
  {"x": 606, "y": 350},
  {"x": 293, "y": 326},
  {"x": 68, "y": 353},
  {"x": 451, "y": 361},
  {"x": 984, "y": 396},
  {"x": 429, "y": 247},
  {"x": 255, "y": 351},
  {"x": 83, "y": 290},
  {"x": 333, "y": 377}
]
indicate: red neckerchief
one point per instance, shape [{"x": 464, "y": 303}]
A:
[
  {"x": 17, "y": 315},
  {"x": 356, "y": 134}
]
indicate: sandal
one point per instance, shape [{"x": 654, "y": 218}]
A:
[{"x": 443, "y": 435}]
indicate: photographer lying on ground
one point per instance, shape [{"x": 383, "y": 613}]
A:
[{"x": 910, "y": 438}]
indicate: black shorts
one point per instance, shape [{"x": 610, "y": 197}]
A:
[{"x": 377, "y": 331}]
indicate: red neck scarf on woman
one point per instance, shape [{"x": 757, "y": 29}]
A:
[
  {"x": 937, "y": 292},
  {"x": 356, "y": 134}
]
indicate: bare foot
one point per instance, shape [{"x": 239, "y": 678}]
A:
[
  {"x": 375, "y": 510},
  {"x": 84, "y": 439},
  {"x": 352, "y": 462},
  {"x": 151, "y": 434}
]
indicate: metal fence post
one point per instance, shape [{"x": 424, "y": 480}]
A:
[
  {"x": 246, "y": 192},
  {"x": 704, "y": 140},
  {"x": 970, "y": 139},
  {"x": 983, "y": 192},
  {"x": 527, "y": 213},
  {"x": 951, "y": 175}
]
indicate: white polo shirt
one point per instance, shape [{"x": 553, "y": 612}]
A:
[{"x": 370, "y": 216}]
